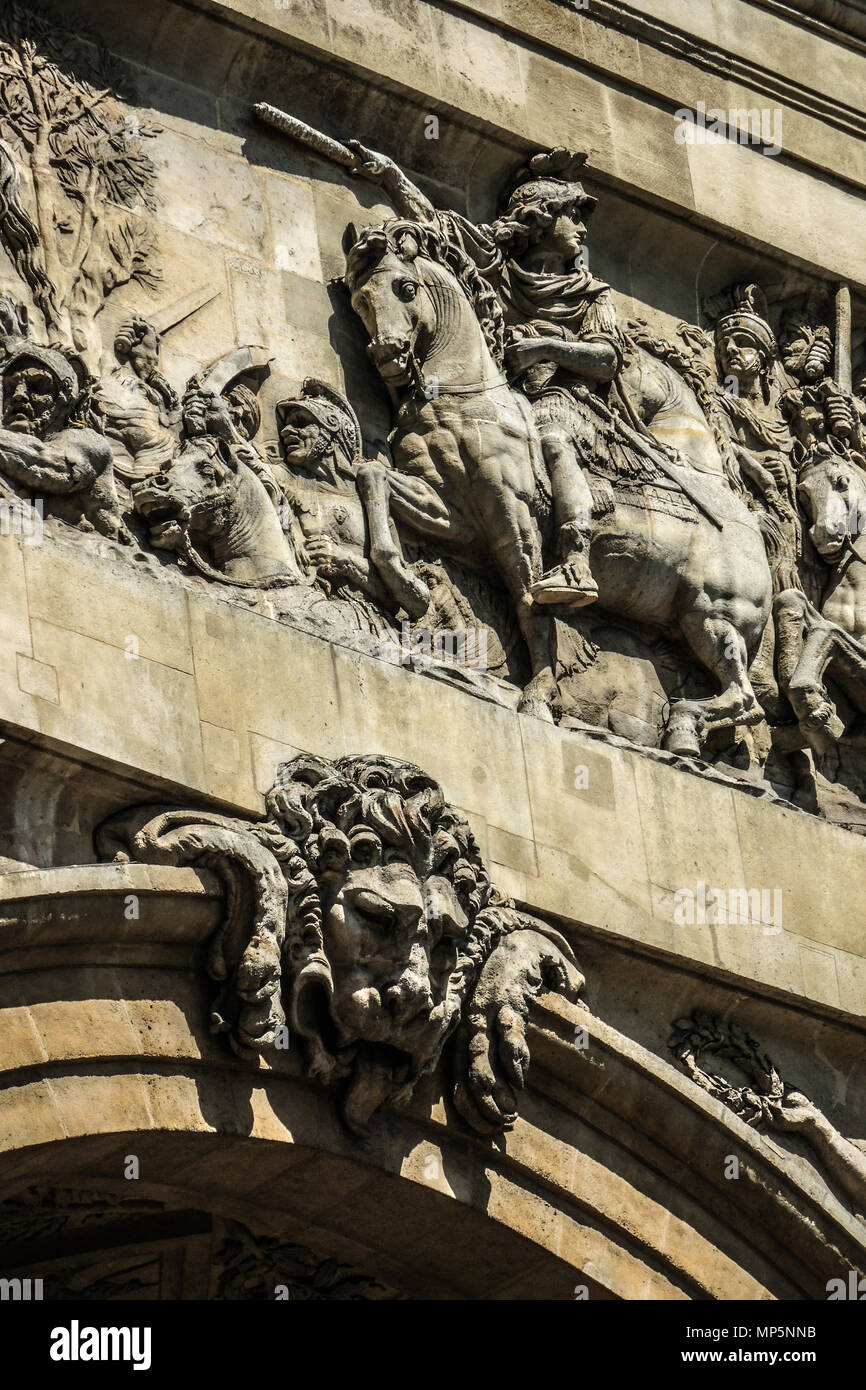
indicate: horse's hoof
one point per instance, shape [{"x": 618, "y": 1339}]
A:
[
  {"x": 682, "y": 748},
  {"x": 818, "y": 716},
  {"x": 681, "y": 737}
]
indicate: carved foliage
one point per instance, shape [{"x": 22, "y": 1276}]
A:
[{"x": 91, "y": 178}]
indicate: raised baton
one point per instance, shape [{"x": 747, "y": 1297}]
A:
[{"x": 304, "y": 134}]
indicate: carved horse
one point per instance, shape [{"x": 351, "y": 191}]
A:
[
  {"x": 469, "y": 466},
  {"x": 813, "y": 644},
  {"x": 213, "y": 508},
  {"x": 469, "y": 475}
]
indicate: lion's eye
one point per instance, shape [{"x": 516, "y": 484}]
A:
[
  {"x": 840, "y": 482},
  {"x": 407, "y": 289},
  {"x": 366, "y": 849},
  {"x": 371, "y": 905}
]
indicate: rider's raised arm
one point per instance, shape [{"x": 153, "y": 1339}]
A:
[{"x": 407, "y": 198}]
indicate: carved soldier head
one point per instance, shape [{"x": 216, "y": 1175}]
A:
[
  {"x": 39, "y": 388},
  {"x": 244, "y": 409},
  {"x": 746, "y": 346},
  {"x": 319, "y": 431},
  {"x": 805, "y": 340},
  {"x": 547, "y": 209}
]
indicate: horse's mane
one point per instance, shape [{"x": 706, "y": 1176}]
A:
[{"x": 408, "y": 239}]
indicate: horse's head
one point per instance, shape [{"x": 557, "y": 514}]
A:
[
  {"x": 833, "y": 493},
  {"x": 196, "y": 495},
  {"x": 385, "y": 277}
]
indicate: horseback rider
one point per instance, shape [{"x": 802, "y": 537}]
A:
[{"x": 564, "y": 345}]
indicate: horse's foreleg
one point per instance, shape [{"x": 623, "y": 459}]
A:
[
  {"x": 514, "y": 540},
  {"x": 824, "y": 647},
  {"x": 386, "y": 554},
  {"x": 721, "y": 649},
  {"x": 808, "y": 643}
]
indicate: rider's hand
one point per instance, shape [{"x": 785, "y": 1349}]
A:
[
  {"x": 331, "y": 560},
  {"x": 369, "y": 163},
  {"x": 523, "y": 353}
]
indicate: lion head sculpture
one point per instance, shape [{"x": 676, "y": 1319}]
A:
[{"x": 361, "y": 919}]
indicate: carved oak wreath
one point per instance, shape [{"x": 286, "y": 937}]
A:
[{"x": 702, "y": 1036}]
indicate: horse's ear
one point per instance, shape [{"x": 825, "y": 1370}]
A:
[
  {"x": 409, "y": 246},
  {"x": 230, "y": 454},
  {"x": 350, "y": 236}
]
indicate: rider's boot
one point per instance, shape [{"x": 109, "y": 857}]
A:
[{"x": 569, "y": 583}]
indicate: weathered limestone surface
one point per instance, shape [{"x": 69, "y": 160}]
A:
[
  {"x": 218, "y": 695},
  {"x": 540, "y": 72},
  {"x": 400, "y": 976}
]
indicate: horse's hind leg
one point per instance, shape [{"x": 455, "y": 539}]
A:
[{"x": 720, "y": 648}]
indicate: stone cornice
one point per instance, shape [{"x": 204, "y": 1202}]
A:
[
  {"x": 834, "y": 17},
  {"x": 811, "y": 100}
]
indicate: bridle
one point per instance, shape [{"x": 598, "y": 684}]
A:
[{"x": 192, "y": 556}]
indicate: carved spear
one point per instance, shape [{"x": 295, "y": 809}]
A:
[
  {"x": 842, "y": 364},
  {"x": 304, "y": 134}
]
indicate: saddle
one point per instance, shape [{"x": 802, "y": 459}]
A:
[{"x": 609, "y": 450}]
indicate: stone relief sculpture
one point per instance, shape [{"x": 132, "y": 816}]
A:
[
  {"x": 251, "y": 1265},
  {"x": 765, "y": 1100},
  {"x": 719, "y": 604},
  {"x": 468, "y": 471},
  {"x": 47, "y": 441},
  {"x": 748, "y": 359},
  {"x": 92, "y": 182},
  {"x": 595, "y": 501},
  {"x": 322, "y": 450},
  {"x": 360, "y": 921},
  {"x": 137, "y": 405},
  {"x": 244, "y": 1263},
  {"x": 215, "y": 501}
]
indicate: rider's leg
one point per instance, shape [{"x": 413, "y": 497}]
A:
[{"x": 571, "y": 581}]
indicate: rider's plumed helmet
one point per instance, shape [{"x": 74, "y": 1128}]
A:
[{"x": 551, "y": 176}]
